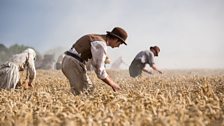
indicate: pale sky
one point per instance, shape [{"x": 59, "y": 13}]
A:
[{"x": 190, "y": 33}]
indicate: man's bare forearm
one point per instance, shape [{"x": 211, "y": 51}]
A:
[
  {"x": 147, "y": 71},
  {"x": 156, "y": 69},
  {"x": 111, "y": 83}
]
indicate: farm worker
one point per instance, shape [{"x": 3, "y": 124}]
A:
[
  {"x": 10, "y": 70},
  {"x": 143, "y": 58},
  {"x": 94, "y": 47}
]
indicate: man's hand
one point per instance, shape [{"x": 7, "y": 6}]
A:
[
  {"x": 160, "y": 72},
  {"x": 112, "y": 84},
  {"x": 25, "y": 84},
  {"x": 30, "y": 85},
  {"x": 115, "y": 87}
]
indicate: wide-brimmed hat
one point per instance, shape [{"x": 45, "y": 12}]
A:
[
  {"x": 119, "y": 33},
  {"x": 156, "y": 48}
]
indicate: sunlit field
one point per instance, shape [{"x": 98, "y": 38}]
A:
[{"x": 175, "y": 98}]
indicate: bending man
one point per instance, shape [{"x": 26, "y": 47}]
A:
[
  {"x": 94, "y": 47},
  {"x": 143, "y": 58},
  {"x": 10, "y": 71}
]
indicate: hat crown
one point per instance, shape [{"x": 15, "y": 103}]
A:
[
  {"x": 156, "y": 48},
  {"x": 120, "y": 32}
]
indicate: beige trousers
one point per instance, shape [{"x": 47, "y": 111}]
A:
[{"x": 75, "y": 71}]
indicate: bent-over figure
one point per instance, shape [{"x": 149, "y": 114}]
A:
[
  {"x": 143, "y": 58},
  {"x": 10, "y": 70}
]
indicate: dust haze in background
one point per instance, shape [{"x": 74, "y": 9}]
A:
[{"x": 189, "y": 33}]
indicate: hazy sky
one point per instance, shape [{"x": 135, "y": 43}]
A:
[{"x": 190, "y": 33}]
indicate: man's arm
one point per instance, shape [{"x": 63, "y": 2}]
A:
[
  {"x": 111, "y": 83},
  {"x": 98, "y": 57},
  {"x": 147, "y": 71},
  {"x": 156, "y": 69}
]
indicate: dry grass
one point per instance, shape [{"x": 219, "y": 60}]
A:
[{"x": 174, "y": 98}]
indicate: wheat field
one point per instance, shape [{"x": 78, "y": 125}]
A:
[{"x": 175, "y": 98}]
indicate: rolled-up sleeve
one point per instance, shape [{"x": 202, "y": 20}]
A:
[{"x": 98, "y": 50}]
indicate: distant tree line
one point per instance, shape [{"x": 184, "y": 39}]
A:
[{"x": 6, "y": 53}]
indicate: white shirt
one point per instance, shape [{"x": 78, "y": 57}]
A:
[
  {"x": 99, "y": 51},
  {"x": 146, "y": 57},
  {"x": 20, "y": 60}
]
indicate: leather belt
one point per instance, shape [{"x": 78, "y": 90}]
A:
[{"x": 74, "y": 56}]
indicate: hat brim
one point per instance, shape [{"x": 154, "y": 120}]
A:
[{"x": 122, "y": 40}]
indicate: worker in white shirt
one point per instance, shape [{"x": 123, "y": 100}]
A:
[
  {"x": 10, "y": 70},
  {"x": 94, "y": 47}
]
